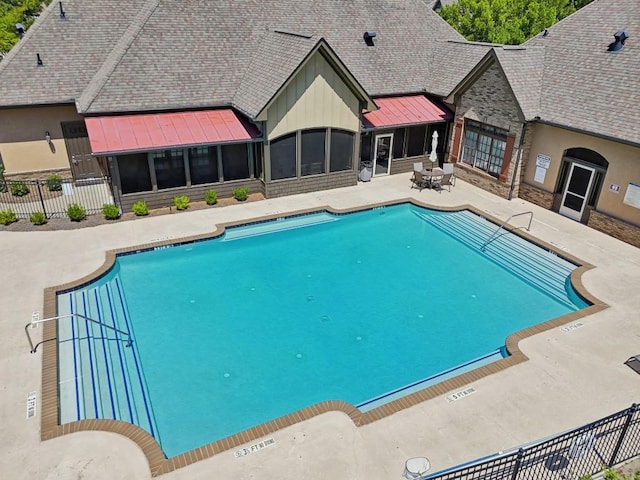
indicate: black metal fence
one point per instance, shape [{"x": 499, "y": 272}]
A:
[
  {"x": 53, "y": 195},
  {"x": 569, "y": 456}
]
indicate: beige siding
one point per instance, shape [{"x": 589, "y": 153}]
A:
[
  {"x": 22, "y": 144},
  {"x": 624, "y": 166},
  {"x": 316, "y": 97}
]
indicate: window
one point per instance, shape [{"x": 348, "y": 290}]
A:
[
  {"x": 134, "y": 173},
  {"x": 169, "y": 167},
  {"x": 203, "y": 165},
  {"x": 341, "y": 151},
  {"x": 312, "y": 153},
  {"x": 484, "y": 147},
  {"x": 398, "y": 143},
  {"x": 235, "y": 161},
  {"x": 365, "y": 147},
  {"x": 257, "y": 158},
  {"x": 415, "y": 144},
  {"x": 283, "y": 157}
]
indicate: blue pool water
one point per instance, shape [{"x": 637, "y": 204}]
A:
[{"x": 273, "y": 317}]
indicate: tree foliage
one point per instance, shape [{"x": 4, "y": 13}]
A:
[
  {"x": 16, "y": 11},
  {"x": 506, "y": 21}
]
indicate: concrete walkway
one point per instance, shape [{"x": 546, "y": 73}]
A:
[{"x": 571, "y": 378}]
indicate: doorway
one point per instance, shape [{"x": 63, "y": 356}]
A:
[
  {"x": 382, "y": 154},
  {"x": 574, "y": 197},
  {"x": 84, "y": 166}
]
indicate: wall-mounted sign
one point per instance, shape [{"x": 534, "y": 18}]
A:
[
  {"x": 632, "y": 197},
  {"x": 542, "y": 164},
  {"x": 614, "y": 188},
  {"x": 543, "y": 161}
]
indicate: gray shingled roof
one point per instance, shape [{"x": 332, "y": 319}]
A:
[
  {"x": 584, "y": 86},
  {"x": 135, "y": 56},
  {"x": 72, "y": 50},
  {"x": 522, "y": 67}
]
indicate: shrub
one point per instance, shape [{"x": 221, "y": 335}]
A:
[
  {"x": 211, "y": 197},
  {"x": 76, "y": 212},
  {"x": 18, "y": 188},
  {"x": 54, "y": 182},
  {"x": 110, "y": 211},
  {"x": 240, "y": 193},
  {"x": 140, "y": 208},
  {"x": 181, "y": 202},
  {"x": 7, "y": 217},
  {"x": 38, "y": 218}
]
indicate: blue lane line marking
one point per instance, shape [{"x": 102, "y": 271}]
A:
[
  {"x": 93, "y": 380},
  {"x": 104, "y": 351},
  {"x": 75, "y": 365},
  {"x": 122, "y": 369},
  {"x": 432, "y": 377},
  {"x": 135, "y": 360}
]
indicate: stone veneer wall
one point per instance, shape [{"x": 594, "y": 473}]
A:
[
  {"x": 537, "y": 196},
  {"x": 616, "y": 228},
  {"x": 281, "y": 188},
  {"x": 490, "y": 100},
  {"x": 164, "y": 198}
]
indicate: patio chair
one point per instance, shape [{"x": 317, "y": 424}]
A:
[
  {"x": 446, "y": 180},
  {"x": 448, "y": 168},
  {"x": 419, "y": 180},
  {"x": 417, "y": 167}
]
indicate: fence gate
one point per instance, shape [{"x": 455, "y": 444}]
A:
[{"x": 83, "y": 164}]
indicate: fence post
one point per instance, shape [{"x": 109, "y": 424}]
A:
[
  {"x": 44, "y": 210},
  {"x": 632, "y": 410},
  {"x": 516, "y": 469}
]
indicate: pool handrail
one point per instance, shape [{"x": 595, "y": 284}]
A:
[
  {"x": 35, "y": 320},
  {"x": 495, "y": 235}
]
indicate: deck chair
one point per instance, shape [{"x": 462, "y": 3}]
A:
[
  {"x": 419, "y": 180},
  {"x": 417, "y": 167}
]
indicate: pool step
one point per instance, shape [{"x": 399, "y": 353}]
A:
[
  {"x": 541, "y": 268},
  {"x": 99, "y": 372}
]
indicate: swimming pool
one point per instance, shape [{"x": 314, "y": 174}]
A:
[{"x": 276, "y": 316}]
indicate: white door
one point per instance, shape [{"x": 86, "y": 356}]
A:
[
  {"x": 382, "y": 154},
  {"x": 575, "y": 193}
]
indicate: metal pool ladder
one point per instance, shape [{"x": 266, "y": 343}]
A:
[
  {"x": 35, "y": 320},
  {"x": 495, "y": 235}
]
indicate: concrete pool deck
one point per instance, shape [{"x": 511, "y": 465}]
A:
[{"x": 571, "y": 378}]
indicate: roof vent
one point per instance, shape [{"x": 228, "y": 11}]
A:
[
  {"x": 621, "y": 37},
  {"x": 39, "y": 60},
  {"x": 20, "y": 29},
  {"x": 545, "y": 33},
  {"x": 62, "y": 14},
  {"x": 368, "y": 37}
]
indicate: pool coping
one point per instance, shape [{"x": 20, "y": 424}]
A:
[{"x": 159, "y": 464}]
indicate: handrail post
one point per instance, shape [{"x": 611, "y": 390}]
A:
[{"x": 623, "y": 434}]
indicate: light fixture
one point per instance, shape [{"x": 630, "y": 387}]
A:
[{"x": 47, "y": 136}]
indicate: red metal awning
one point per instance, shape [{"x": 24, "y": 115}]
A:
[
  {"x": 135, "y": 133},
  {"x": 402, "y": 111}
]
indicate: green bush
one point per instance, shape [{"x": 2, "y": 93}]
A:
[
  {"x": 54, "y": 182},
  {"x": 38, "y": 218},
  {"x": 7, "y": 217},
  {"x": 240, "y": 193},
  {"x": 211, "y": 197},
  {"x": 18, "y": 188},
  {"x": 140, "y": 208},
  {"x": 181, "y": 202},
  {"x": 76, "y": 212},
  {"x": 110, "y": 211}
]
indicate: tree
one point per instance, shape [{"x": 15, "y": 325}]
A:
[
  {"x": 13, "y": 12},
  {"x": 506, "y": 21}
]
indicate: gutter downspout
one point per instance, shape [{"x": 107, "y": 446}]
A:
[{"x": 518, "y": 159}]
